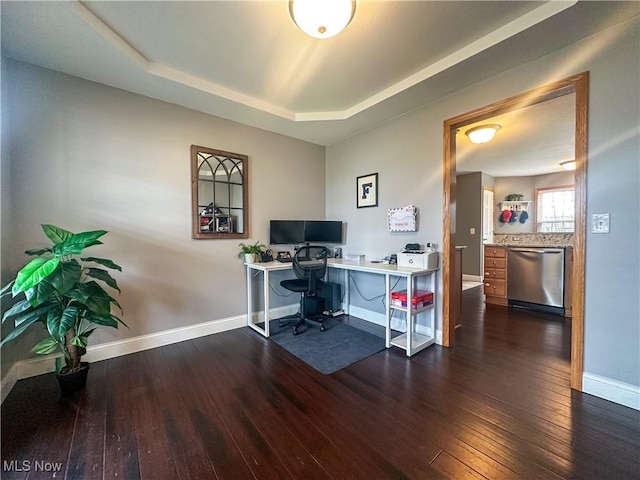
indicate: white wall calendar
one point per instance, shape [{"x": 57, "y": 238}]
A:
[{"x": 402, "y": 219}]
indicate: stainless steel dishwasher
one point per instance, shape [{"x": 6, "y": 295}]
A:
[{"x": 535, "y": 278}]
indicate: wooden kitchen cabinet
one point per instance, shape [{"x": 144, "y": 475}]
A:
[{"x": 495, "y": 275}]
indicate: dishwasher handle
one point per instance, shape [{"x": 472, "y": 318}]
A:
[{"x": 535, "y": 250}]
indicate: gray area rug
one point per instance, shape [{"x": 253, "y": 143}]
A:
[{"x": 339, "y": 346}]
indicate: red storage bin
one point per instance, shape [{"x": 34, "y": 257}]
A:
[{"x": 419, "y": 299}]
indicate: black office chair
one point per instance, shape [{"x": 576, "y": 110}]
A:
[{"x": 310, "y": 266}]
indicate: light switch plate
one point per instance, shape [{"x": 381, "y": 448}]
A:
[
  {"x": 599, "y": 223},
  {"x": 472, "y": 231}
]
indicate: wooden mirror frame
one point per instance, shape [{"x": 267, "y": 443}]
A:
[
  {"x": 195, "y": 207},
  {"x": 578, "y": 84}
]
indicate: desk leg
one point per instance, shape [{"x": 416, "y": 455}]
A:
[
  {"x": 409, "y": 315},
  {"x": 347, "y": 294},
  {"x": 250, "y": 323},
  {"x": 387, "y": 292},
  {"x": 267, "y": 303},
  {"x": 249, "y": 298}
]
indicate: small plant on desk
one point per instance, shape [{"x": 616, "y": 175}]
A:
[{"x": 250, "y": 252}]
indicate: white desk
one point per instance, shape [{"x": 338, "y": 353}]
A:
[{"x": 411, "y": 341}]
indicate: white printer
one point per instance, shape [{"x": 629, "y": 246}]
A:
[{"x": 413, "y": 257}]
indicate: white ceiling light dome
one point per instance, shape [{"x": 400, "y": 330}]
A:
[
  {"x": 482, "y": 133},
  {"x": 322, "y": 18}
]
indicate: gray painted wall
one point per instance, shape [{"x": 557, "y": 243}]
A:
[
  {"x": 407, "y": 153},
  {"x": 469, "y": 215},
  {"x": 85, "y": 156}
]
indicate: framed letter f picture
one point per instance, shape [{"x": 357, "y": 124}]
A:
[{"x": 367, "y": 191}]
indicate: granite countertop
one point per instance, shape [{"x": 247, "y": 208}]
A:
[{"x": 532, "y": 240}]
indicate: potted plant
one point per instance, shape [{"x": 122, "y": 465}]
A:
[
  {"x": 250, "y": 252},
  {"x": 60, "y": 290}
]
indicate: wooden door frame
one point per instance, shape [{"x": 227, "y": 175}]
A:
[{"x": 578, "y": 84}]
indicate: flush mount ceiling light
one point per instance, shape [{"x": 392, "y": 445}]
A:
[
  {"x": 570, "y": 165},
  {"x": 322, "y": 18},
  {"x": 482, "y": 133}
]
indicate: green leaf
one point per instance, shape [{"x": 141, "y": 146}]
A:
[
  {"x": 40, "y": 293},
  {"x": 32, "y": 273},
  {"x": 38, "y": 251},
  {"x": 66, "y": 276},
  {"x": 97, "y": 242},
  {"x": 56, "y": 234},
  {"x": 77, "y": 242},
  {"x": 87, "y": 333},
  {"x": 104, "y": 320},
  {"x": 39, "y": 313},
  {"x": 6, "y": 289},
  {"x": 18, "y": 330},
  {"x": 104, "y": 262},
  {"x": 119, "y": 320},
  {"x": 46, "y": 346},
  {"x": 93, "y": 296},
  {"x": 103, "y": 275},
  {"x": 80, "y": 341},
  {"x": 67, "y": 320},
  {"x": 19, "y": 307},
  {"x": 63, "y": 278},
  {"x": 53, "y": 324}
]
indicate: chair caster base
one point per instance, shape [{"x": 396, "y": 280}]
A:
[
  {"x": 295, "y": 331},
  {"x": 322, "y": 329}
]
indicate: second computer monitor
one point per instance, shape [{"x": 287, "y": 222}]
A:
[{"x": 323, "y": 231}]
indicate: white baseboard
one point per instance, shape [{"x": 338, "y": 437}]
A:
[
  {"x": 45, "y": 364},
  {"x": 471, "y": 278},
  {"x": 612, "y": 390}
]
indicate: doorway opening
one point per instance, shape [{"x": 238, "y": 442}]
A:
[{"x": 577, "y": 84}]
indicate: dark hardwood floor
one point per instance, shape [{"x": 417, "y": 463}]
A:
[{"x": 237, "y": 406}]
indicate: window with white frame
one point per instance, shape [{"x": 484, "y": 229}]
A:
[{"x": 555, "y": 210}]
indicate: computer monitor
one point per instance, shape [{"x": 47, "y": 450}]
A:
[
  {"x": 286, "y": 232},
  {"x": 323, "y": 231}
]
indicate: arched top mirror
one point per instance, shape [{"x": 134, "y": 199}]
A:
[{"x": 219, "y": 194}]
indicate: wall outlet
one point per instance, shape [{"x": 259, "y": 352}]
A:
[{"x": 472, "y": 231}]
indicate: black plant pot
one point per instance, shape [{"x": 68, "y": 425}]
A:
[{"x": 74, "y": 381}]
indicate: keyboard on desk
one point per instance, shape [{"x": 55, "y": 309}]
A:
[{"x": 284, "y": 259}]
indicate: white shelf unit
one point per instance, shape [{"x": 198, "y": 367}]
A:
[
  {"x": 411, "y": 340},
  {"x": 520, "y": 205}
]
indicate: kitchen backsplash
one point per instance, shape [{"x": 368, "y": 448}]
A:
[{"x": 532, "y": 239}]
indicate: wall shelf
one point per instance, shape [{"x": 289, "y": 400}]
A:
[{"x": 515, "y": 205}]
